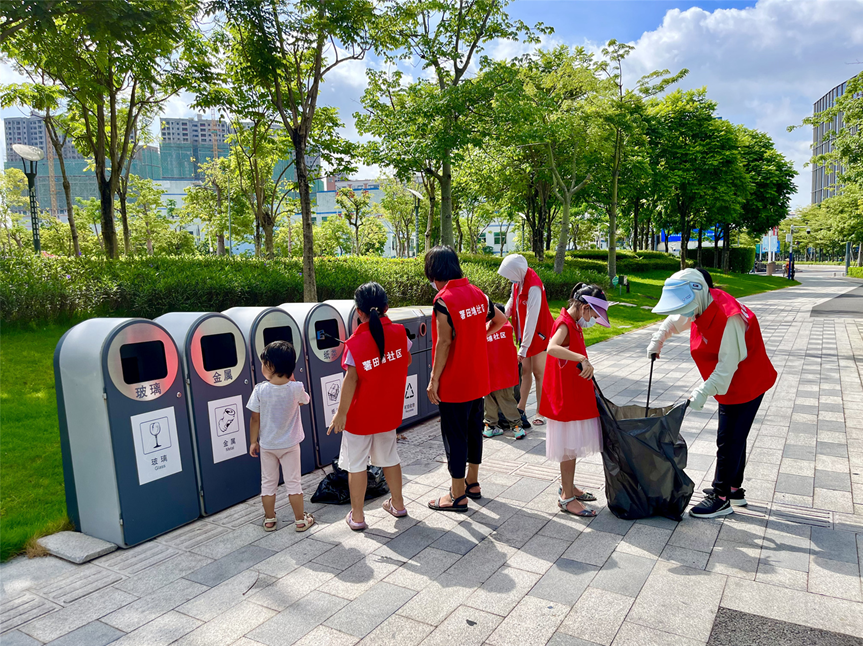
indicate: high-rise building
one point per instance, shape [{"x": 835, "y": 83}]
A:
[
  {"x": 823, "y": 178},
  {"x": 187, "y": 143}
]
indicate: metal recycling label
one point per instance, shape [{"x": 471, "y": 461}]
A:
[
  {"x": 157, "y": 452},
  {"x": 411, "y": 406},
  {"x": 227, "y": 428}
]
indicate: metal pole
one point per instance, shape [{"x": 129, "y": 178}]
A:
[
  {"x": 34, "y": 208},
  {"x": 847, "y": 257}
]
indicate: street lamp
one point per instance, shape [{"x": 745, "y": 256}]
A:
[
  {"x": 33, "y": 155},
  {"x": 417, "y": 198}
]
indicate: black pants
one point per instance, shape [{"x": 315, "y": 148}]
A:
[
  {"x": 461, "y": 429},
  {"x": 735, "y": 422}
]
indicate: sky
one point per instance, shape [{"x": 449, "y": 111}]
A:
[{"x": 764, "y": 62}]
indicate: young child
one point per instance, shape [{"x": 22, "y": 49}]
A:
[
  {"x": 503, "y": 375},
  {"x": 276, "y": 432},
  {"x": 376, "y": 359},
  {"x": 568, "y": 399}
]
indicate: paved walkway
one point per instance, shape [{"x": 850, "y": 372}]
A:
[{"x": 514, "y": 571}]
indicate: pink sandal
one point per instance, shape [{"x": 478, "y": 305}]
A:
[
  {"x": 398, "y": 513},
  {"x": 349, "y": 519}
]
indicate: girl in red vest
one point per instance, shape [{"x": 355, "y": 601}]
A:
[
  {"x": 726, "y": 344},
  {"x": 503, "y": 377},
  {"x": 372, "y": 402},
  {"x": 568, "y": 399},
  {"x": 532, "y": 321},
  {"x": 459, "y": 381}
]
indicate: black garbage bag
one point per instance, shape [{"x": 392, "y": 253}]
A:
[
  {"x": 333, "y": 489},
  {"x": 644, "y": 458}
]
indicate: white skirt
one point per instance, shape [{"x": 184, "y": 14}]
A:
[{"x": 569, "y": 440}]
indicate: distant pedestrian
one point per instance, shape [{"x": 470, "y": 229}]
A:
[
  {"x": 463, "y": 317},
  {"x": 276, "y": 431},
  {"x": 726, "y": 344},
  {"x": 532, "y": 321},
  {"x": 371, "y": 403},
  {"x": 568, "y": 396},
  {"x": 503, "y": 377}
]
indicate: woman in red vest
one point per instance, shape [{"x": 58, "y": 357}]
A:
[
  {"x": 532, "y": 321},
  {"x": 372, "y": 402},
  {"x": 568, "y": 400},
  {"x": 726, "y": 344},
  {"x": 459, "y": 381}
]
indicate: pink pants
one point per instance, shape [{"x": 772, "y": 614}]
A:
[{"x": 290, "y": 461}]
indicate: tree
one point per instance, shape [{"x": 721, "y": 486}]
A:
[
  {"x": 45, "y": 97},
  {"x": 148, "y": 221},
  {"x": 701, "y": 160},
  {"x": 373, "y": 237},
  {"x": 13, "y": 196},
  {"x": 287, "y": 49},
  {"x": 356, "y": 209},
  {"x": 113, "y": 62},
  {"x": 398, "y": 207}
]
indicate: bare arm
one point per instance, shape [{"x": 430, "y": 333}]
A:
[
  {"x": 558, "y": 348},
  {"x": 496, "y": 323},
  {"x": 254, "y": 430},
  {"x": 441, "y": 353}
]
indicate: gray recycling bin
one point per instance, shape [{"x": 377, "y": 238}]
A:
[
  {"x": 427, "y": 409},
  {"x": 260, "y": 327},
  {"x": 415, "y": 327},
  {"x": 218, "y": 386},
  {"x": 348, "y": 310},
  {"x": 323, "y": 335},
  {"x": 127, "y": 454}
]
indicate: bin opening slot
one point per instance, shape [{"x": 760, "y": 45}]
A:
[
  {"x": 143, "y": 361},
  {"x": 327, "y": 334},
  {"x": 219, "y": 351},
  {"x": 278, "y": 333},
  {"x": 411, "y": 336}
]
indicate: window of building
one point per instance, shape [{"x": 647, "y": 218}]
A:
[{"x": 498, "y": 236}]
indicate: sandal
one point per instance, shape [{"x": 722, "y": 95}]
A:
[
  {"x": 584, "y": 496},
  {"x": 270, "y": 524},
  {"x": 302, "y": 525},
  {"x": 584, "y": 513},
  {"x": 357, "y": 527},
  {"x": 398, "y": 513},
  {"x": 456, "y": 506},
  {"x": 467, "y": 492}
]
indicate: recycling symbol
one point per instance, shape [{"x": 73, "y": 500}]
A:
[{"x": 409, "y": 392}]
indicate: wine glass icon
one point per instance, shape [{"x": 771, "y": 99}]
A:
[{"x": 155, "y": 429}]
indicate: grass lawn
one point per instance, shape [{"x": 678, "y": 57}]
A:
[{"x": 31, "y": 473}]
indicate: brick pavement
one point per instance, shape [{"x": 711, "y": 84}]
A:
[{"x": 513, "y": 570}]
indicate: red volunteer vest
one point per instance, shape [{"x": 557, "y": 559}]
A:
[
  {"x": 378, "y": 401},
  {"x": 566, "y": 396},
  {"x": 502, "y": 359},
  {"x": 465, "y": 375},
  {"x": 542, "y": 333},
  {"x": 755, "y": 375}
]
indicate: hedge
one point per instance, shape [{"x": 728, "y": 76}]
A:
[
  {"x": 855, "y": 272},
  {"x": 39, "y": 289},
  {"x": 741, "y": 261},
  {"x": 596, "y": 260}
]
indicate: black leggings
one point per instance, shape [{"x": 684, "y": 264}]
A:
[
  {"x": 735, "y": 422},
  {"x": 461, "y": 428}
]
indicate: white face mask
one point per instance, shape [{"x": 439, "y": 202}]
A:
[
  {"x": 586, "y": 324},
  {"x": 433, "y": 286}
]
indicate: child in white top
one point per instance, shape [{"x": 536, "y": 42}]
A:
[{"x": 276, "y": 431}]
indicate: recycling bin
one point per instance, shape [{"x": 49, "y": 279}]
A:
[
  {"x": 260, "y": 327},
  {"x": 218, "y": 387},
  {"x": 415, "y": 327},
  {"x": 427, "y": 409},
  {"x": 348, "y": 310},
  {"x": 323, "y": 334},
  {"x": 126, "y": 446}
]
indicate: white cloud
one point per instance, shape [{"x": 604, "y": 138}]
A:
[{"x": 764, "y": 65}]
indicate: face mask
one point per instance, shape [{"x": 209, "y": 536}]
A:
[
  {"x": 586, "y": 324},
  {"x": 433, "y": 286},
  {"x": 689, "y": 314}
]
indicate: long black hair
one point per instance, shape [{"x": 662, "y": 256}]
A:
[
  {"x": 584, "y": 289},
  {"x": 371, "y": 299}
]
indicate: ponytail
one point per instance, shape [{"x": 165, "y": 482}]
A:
[{"x": 371, "y": 299}]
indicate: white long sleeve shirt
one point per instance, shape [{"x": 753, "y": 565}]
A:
[
  {"x": 527, "y": 328},
  {"x": 732, "y": 351}
]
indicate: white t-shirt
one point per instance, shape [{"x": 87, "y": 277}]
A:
[{"x": 279, "y": 407}]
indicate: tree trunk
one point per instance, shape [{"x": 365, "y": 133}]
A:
[
  {"x": 106, "y": 203},
  {"x": 432, "y": 195},
  {"x": 460, "y": 240},
  {"x": 636, "y": 237},
  {"x": 612, "y": 213},
  {"x": 700, "y": 241},
  {"x": 560, "y": 256},
  {"x": 268, "y": 238},
  {"x": 726, "y": 257},
  {"x": 860, "y": 254},
  {"x": 124, "y": 219},
  {"x": 149, "y": 242},
  {"x": 220, "y": 244},
  {"x": 67, "y": 187},
  {"x": 310, "y": 287},
  {"x": 717, "y": 252},
  {"x": 446, "y": 233},
  {"x": 684, "y": 236}
]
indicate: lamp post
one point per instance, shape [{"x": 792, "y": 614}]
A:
[
  {"x": 33, "y": 155},
  {"x": 417, "y": 197}
]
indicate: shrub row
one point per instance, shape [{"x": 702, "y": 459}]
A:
[
  {"x": 596, "y": 260},
  {"x": 855, "y": 272},
  {"x": 741, "y": 261},
  {"x": 37, "y": 289}
]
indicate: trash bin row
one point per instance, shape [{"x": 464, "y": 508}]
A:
[{"x": 153, "y": 418}]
